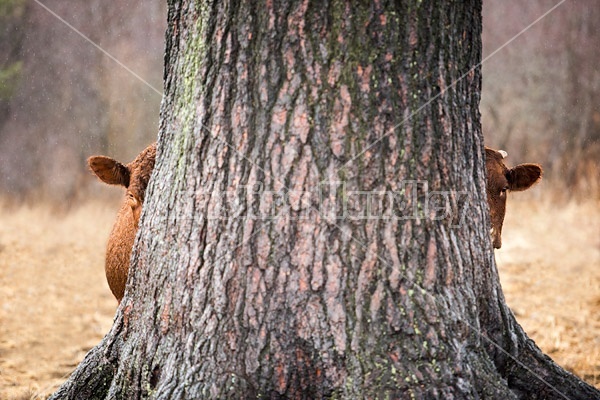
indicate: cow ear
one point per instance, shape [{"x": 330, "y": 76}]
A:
[
  {"x": 109, "y": 170},
  {"x": 523, "y": 176}
]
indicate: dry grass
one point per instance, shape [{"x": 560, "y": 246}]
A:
[
  {"x": 549, "y": 267},
  {"x": 56, "y": 304}
]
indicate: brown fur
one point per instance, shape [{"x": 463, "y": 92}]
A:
[
  {"x": 501, "y": 179},
  {"x": 134, "y": 177}
]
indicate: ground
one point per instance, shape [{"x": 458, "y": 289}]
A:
[
  {"x": 549, "y": 268},
  {"x": 56, "y": 305}
]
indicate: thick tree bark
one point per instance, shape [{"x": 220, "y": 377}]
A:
[{"x": 316, "y": 225}]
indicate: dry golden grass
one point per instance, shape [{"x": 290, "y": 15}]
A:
[
  {"x": 549, "y": 267},
  {"x": 56, "y": 304}
]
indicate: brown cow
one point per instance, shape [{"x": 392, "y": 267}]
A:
[
  {"x": 134, "y": 177},
  {"x": 500, "y": 180}
]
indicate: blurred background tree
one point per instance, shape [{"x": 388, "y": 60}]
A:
[
  {"x": 61, "y": 99},
  {"x": 541, "y": 93},
  {"x": 11, "y": 16}
]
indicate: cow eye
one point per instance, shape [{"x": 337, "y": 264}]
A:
[
  {"x": 132, "y": 200},
  {"x": 503, "y": 190}
]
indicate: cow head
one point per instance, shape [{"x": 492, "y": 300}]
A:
[
  {"x": 500, "y": 180},
  {"x": 133, "y": 176}
]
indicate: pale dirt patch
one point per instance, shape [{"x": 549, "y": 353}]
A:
[{"x": 55, "y": 304}]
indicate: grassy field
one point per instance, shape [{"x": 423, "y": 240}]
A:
[
  {"x": 549, "y": 267},
  {"x": 56, "y": 304}
]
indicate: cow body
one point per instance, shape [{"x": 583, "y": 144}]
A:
[{"x": 134, "y": 177}]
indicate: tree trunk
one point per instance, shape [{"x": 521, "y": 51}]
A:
[{"x": 316, "y": 225}]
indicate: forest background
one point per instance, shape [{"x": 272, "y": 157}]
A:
[{"x": 62, "y": 99}]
